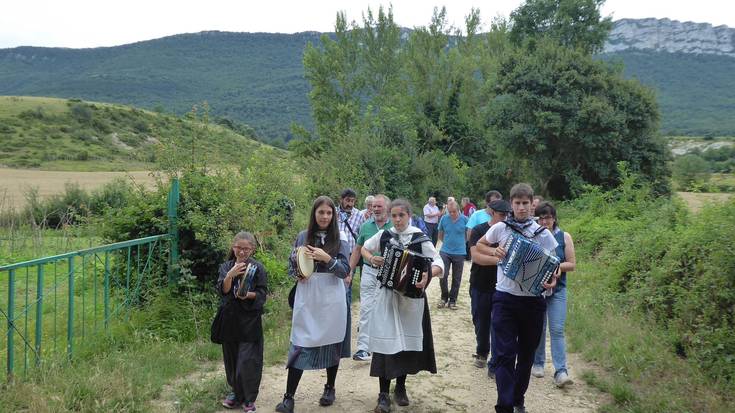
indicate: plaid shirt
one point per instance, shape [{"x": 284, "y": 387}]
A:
[{"x": 356, "y": 219}]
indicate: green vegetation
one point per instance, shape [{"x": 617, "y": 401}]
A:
[
  {"x": 71, "y": 134},
  {"x": 651, "y": 299},
  {"x": 691, "y": 89},
  {"x": 388, "y": 112}
]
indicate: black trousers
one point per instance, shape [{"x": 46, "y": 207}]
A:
[
  {"x": 244, "y": 368},
  {"x": 517, "y": 323}
]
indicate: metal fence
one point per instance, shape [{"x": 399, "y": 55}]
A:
[{"x": 56, "y": 303}]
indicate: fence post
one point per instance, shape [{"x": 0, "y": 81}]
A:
[
  {"x": 11, "y": 315},
  {"x": 39, "y": 313},
  {"x": 70, "y": 313},
  {"x": 173, "y": 231}
]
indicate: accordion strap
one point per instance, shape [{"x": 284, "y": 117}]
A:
[{"x": 515, "y": 227}]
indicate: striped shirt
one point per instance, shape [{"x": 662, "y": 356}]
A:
[{"x": 355, "y": 220}]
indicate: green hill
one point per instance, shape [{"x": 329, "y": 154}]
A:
[
  {"x": 58, "y": 134},
  {"x": 258, "y": 79},
  {"x": 255, "y": 78},
  {"x": 696, "y": 93}
]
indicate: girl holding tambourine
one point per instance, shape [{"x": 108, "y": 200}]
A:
[
  {"x": 242, "y": 283},
  {"x": 320, "y": 321}
]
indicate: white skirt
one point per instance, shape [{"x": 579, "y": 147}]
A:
[
  {"x": 319, "y": 311},
  {"x": 395, "y": 323}
]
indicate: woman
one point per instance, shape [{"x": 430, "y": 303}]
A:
[
  {"x": 556, "y": 304},
  {"x": 241, "y": 329},
  {"x": 400, "y": 327},
  {"x": 320, "y": 322}
]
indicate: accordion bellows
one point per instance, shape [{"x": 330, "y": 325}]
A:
[
  {"x": 528, "y": 264},
  {"x": 402, "y": 269}
]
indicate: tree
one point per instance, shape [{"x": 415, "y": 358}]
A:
[
  {"x": 571, "y": 23},
  {"x": 574, "y": 118}
]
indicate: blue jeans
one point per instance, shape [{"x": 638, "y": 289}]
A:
[
  {"x": 556, "y": 312},
  {"x": 457, "y": 264},
  {"x": 517, "y": 323},
  {"x": 482, "y": 310}
]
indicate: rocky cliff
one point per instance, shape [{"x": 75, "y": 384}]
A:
[{"x": 672, "y": 36}]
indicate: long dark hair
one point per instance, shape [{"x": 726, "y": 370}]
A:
[{"x": 331, "y": 242}]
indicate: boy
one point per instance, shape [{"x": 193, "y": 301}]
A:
[{"x": 517, "y": 314}]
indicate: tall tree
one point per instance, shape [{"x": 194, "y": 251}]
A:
[
  {"x": 572, "y": 23},
  {"x": 574, "y": 118}
]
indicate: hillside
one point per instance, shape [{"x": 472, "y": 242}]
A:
[
  {"x": 58, "y": 134},
  {"x": 258, "y": 78}
]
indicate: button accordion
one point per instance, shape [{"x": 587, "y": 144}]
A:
[
  {"x": 402, "y": 269},
  {"x": 528, "y": 264}
]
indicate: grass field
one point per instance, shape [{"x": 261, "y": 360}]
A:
[
  {"x": 696, "y": 201},
  {"x": 14, "y": 183}
]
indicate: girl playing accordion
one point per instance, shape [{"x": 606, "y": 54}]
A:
[{"x": 400, "y": 326}]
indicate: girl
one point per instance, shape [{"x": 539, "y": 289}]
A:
[
  {"x": 241, "y": 329},
  {"x": 320, "y": 321},
  {"x": 400, "y": 327}
]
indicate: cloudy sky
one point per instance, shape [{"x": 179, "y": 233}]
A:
[{"x": 93, "y": 23}]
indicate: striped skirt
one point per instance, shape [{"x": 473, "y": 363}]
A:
[{"x": 322, "y": 357}]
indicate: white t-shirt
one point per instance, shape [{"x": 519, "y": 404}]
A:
[
  {"x": 428, "y": 210},
  {"x": 499, "y": 233}
]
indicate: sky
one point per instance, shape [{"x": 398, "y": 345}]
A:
[{"x": 94, "y": 23}]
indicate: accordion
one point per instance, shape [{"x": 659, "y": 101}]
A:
[
  {"x": 402, "y": 269},
  {"x": 528, "y": 264}
]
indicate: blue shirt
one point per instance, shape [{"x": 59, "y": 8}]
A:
[
  {"x": 478, "y": 217},
  {"x": 454, "y": 234}
]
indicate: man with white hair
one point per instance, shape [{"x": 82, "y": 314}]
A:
[{"x": 431, "y": 218}]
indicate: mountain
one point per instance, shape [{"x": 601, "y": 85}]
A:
[
  {"x": 258, "y": 78},
  {"x": 672, "y": 36},
  {"x": 255, "y": 78},
  {"x": 690, "y": 65}
]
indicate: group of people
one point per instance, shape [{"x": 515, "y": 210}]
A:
[{"x": 395, "y": 332}]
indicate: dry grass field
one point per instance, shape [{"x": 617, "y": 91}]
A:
[
  {"x": 697, "y": 200},
  {"x": 14, "y": 183}
]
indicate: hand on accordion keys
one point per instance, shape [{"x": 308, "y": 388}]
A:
[
  {"x": 424, "y": 280},
  {"x": 552, "y": 281}
]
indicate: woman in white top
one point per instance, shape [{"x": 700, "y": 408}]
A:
[{"x": 400, "y": 327}]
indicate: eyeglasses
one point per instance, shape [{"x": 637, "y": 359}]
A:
[{"x": 244, "y": 249}]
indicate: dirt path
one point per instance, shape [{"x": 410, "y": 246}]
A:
[{"x": 457, "y": 387}]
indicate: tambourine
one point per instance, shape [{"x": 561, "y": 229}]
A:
[{"x": 304, "y": 263}]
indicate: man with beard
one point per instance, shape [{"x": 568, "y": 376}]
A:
[
  {"x": 368, "y": 273},
  {"x": 349, "y": 220}
]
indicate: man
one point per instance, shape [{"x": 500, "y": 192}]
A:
[
  {"x": 483, "y": 276},
  {"x": 453, "y": 236},
  {"x": 537, "y": 199},
  {"x": 517, "y": 317},
  {"x": 368, "y": 274},
  {"x": 468, "y": 208},
  {"x": 368, "y": 211},
  {"x": 431, "y": 218},
  {"x": 482, "y": 216},
  {"x": 349, "y": 220}
]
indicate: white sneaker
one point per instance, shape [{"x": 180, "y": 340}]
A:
[
  {"x": 537, "y": 371},
  {"x": 562, "y": 379}
]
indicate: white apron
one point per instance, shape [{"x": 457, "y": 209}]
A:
[
  {"x": 396, "y": 323},
  {"x": 319, "y": 311}
]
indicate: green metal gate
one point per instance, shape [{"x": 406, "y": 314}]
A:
[{"x": 55, "y": 303}]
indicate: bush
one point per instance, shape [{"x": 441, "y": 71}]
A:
[{"x": 660, "y": 260}]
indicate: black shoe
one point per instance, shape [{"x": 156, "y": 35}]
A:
[
  {"x": 400, "y": 396},
  {"x": 519, "y": 409},
  {"x": 328, "y": 396},
  {"x": 383, "y": 403},
  {"x": 287, "y": 405}
]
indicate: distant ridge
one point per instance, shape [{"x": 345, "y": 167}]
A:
[
  {"x": 258, "y": 78},
  {"x": 673, "y": 36}
]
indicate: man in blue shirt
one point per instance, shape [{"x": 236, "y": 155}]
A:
[{"x": 453, "y": 236}]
